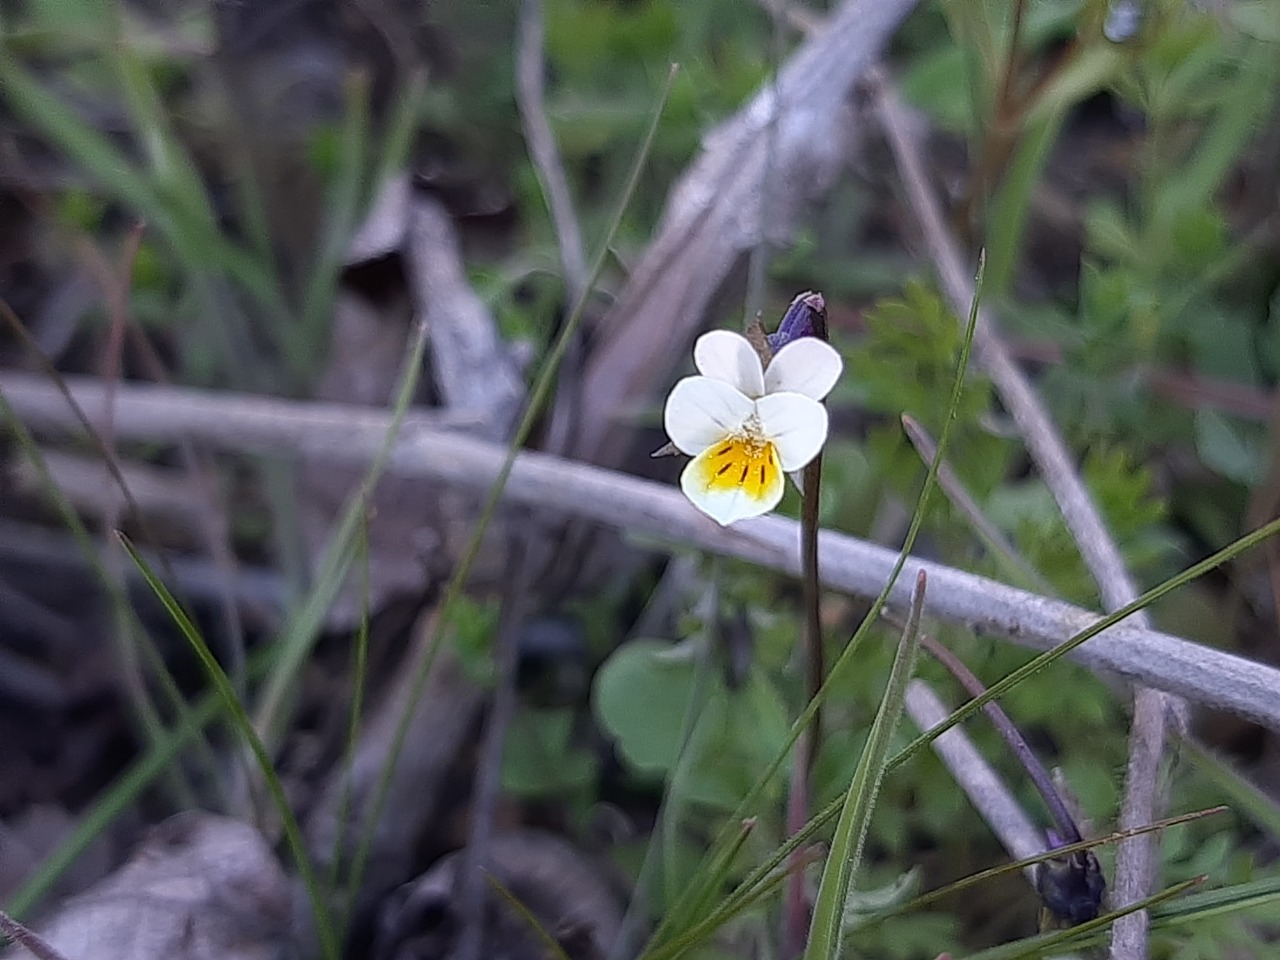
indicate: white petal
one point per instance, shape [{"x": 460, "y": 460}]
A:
[
  {"x": 807, "y": 365},
  {"x": 701, "y": 411},
  {"x": 724, "y": 355},
  {"x": 726, "y": 502},
  {"x": 796, "y": 424}
]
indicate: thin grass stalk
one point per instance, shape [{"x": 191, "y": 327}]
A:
[
  {"x": 826, "y": 932},
  {"x": 539, "y": 395},
  {"x": 554, "y": 948},
  {"x": 1003, "y": 686},
  {"x": 698, "y": 883},
  {"x": 360, "y": 669},
  {"x": 299, "y": 639},
  {"x": 129, "y": 631},
  {"x": 235, "y": 710},
  {"x": 1045, "y": 943},
  {"x": 658, "y": 949},
  {"x": 1016, "y": 866},
  {"x": 342, "y": 209},
  {"x": 121, "y": 796}
]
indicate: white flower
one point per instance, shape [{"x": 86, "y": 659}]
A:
[{"x": 745, "y": 427}]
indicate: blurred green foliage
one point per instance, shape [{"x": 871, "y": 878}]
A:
[{"x": 1168, "y": 244}]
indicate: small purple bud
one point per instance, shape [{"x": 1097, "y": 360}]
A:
[{"x": 799, "y": 321}]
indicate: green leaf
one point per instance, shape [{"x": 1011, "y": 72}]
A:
[
  {"x": 1223, "y": 446},
  {"x": 1258, "y": 18},
  {"x": 641, "y": 695},
  {"x": 541, "y": 758},
  {"x": 938, "y": 84}
]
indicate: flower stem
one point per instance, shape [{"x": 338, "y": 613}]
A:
[
  {"x": 1070, "y": 832},
  {"x": 797, "y": 907}
]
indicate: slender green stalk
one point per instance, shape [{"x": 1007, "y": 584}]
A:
[
  {"x": 540, "y": 393},
  {"x": 359, "y": 672},
  {"x": 1012, "y": 737},
  {"x": 743, "y": 900},
  {"x": 121, "y": 796},
  {"x": 1051, "y": 942},
  {"x": 829, "y": 812},
  {"x": 1208, "y": 903},
  {"x": 342, "y": 212},
  {"x": 304, "y": 626},
  {"x": 554, "y": 947},
  {"x": 235, "y": 710},
  {"x": 826, "y": 932},
  {"x": 1001, "y": 687},
  {"x": 667, "y": 928},
  {"x": 1013, "y": 566},
  {"x": 197, "y": 242},
  {"x": 1256, "y": 805},
  {"x": 973, "y": 880},
  {"x": 129, "y": 630}
]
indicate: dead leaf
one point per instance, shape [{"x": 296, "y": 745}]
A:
[{"x": 201, "y": 887}]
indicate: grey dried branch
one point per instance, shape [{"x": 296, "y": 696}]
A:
[{"x": 352, "y": 435}]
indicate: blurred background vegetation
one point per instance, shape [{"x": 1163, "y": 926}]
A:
[{"x": 1119, "y": 161}]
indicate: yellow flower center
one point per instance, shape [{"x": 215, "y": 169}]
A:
[{"x": 746, "y": 463}]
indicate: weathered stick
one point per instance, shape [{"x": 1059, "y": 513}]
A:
[{"x": 644, "y": 508}]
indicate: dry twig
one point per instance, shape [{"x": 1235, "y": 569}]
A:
[{"x": 352, "y": 435}]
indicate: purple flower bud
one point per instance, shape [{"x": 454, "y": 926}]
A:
[{"x": 799, "y": 320}]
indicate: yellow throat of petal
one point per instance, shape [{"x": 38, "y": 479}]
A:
[{"x": 748, "y": 465}]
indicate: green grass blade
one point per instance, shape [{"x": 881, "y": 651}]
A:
[
  {"x": 359, "y": 671},
  {"x": 128, "y": 627},
  {"x": 1015, "y": 866},
  {"x": 196, "y": 242},
  {"x": 1007, "y": 216},
  {"x": 1244, "y": 796},
  {"x": 829, "y": 813},
  {"x": 1208, "y": 903},
  {"x": 1052, "y": 942},
  {"x": 304, "y": 626},
  {"x": 700, "y": 884},
  {"x": 1003, "y": 686},
  {"x": 540, "y": 393},
  {"x": 726, "y": 912},
  {"x": 235, "y": 710},
  {"x": 554, "y": 949},
  {"x": 121, "y": 796},
  {"x": 171, "y": 166},
  {"x": 342, "y": 212},
  {"x": 826, "y": 932}
]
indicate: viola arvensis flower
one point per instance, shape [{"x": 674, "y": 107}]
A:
[{"x": 746, "y": 426}]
